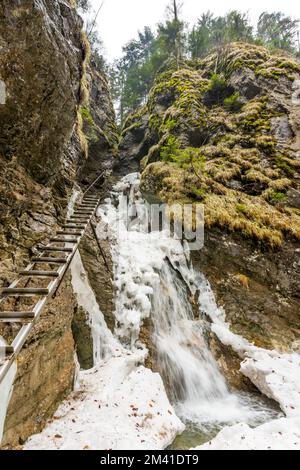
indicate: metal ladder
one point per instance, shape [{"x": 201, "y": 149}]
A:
[{"x": 56, "y": 257}]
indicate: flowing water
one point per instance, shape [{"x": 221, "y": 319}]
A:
[{"x": 154, "y": 278}]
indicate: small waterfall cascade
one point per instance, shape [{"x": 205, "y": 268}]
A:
[{"x": 155, "y": 279}]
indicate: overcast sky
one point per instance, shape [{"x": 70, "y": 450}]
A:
[{"x": 119, "y": 20}]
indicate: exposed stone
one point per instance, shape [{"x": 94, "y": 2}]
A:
[
  {"x": 100, "y": 129},
  {"x": 258, "y": 290},
  {"x": 45, "y": 370},
  {"x": 83, "y": 338},
  {"x": 42, "y": 65},
  {"x": 100, "y": 274}
]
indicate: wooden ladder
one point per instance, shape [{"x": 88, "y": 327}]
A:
[{"x": 51, "y": 264}]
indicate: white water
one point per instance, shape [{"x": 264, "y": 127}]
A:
[{"x": 154, "y": 278}]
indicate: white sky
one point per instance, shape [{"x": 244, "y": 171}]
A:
[{"x": 119, "y": 20}]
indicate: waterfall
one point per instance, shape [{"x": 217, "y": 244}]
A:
[{"x": 155, "y": 279}]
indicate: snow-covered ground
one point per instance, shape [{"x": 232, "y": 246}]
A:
[
  {"x": 279, "y": 434},
  {"x": 119, "y": 404},
  {"x": 275, "y": 374}
]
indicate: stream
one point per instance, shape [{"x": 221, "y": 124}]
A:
[{"x": 155, "y": 279}]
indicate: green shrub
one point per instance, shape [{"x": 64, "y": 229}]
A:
[
  {"x": 233, "y": 103},
  {"x": 170, "y": 150}
]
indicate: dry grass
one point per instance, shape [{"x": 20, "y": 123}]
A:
[
  {"x": 243, "y": 280},
  {"x": 81, "y": 135},
  {"x": 234, "y": 211},
  {"x": 280, "y": 184},
  {"x": 84, "y": 86}
]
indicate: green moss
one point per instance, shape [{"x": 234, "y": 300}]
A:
[
  {"x": 220, "y": 151},
  {"x": 233, "y": 103},
  {"x": 86, "y": 115},
  {"x": 275, "y": 197},
  {"x": 241, "y": 209},
  {"x": 89, "y": 126},
  {"x": 281, "y": 163}
]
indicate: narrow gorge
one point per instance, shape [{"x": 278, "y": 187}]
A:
[{"x": 149, "y": 343}]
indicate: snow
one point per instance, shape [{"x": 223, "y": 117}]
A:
[
  {"x": 138, "y": 257},
  {"x": 73, "y": 199},
  {"x": 120, "y": 405},
  {"x": 276, "y": 375},
  {"x": 103, "y": 339},
  {"x": 6, "y": 388},
  {"x": 280, "y": 434}
]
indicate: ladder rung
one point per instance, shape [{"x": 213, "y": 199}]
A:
[
  {"x": 7, "y": 350},
  {"x": 39, "y": 273},
  {"x": 56, "y": 248},
  {"x": 75, "y": 220},
  {"x": 79, "y": 217},
  {"x": 63, "y": 240},
  {"x": 24, "y": 291},
  {"x": 86, "y": 206},
  {"x": 66, "y": 233},
  {"x": 73, "y": 225},
  {"x": 11, "y": 316},
  {"x": 44, "y": 259},
  {"x": 82, "y": 212}
]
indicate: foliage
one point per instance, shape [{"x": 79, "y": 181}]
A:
[
  {"x": 170, "y": 150},
  {"x": 211, "y": 31},
  {"x": 83, "y": 5},
  {"x": 153, "y": 51},
  {"x": 218, "y": 90},
  {"x": 233, "y": 103},
  {"x": 277, "y": 30}
]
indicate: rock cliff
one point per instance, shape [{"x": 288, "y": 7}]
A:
[
  {"x": 225, "y": 131},
  {"x": 57, "y": 132}
]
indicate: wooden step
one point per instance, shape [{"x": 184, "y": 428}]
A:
[
  {"x": 63, "y": 240},
  {"x": 79, "y": 217},
  {"x": 75, "y": 220},
  {"x": 39, "y": 273},
  {"x": 67, "y": 233},
  {"x": 14, "y": 317},
  {"x": 26, "y": 291},
  {"x": 55, "y": 249},
  {"x": 75, "y": 226},
  {"x": 45, "y": 259},
  {"x": 83, "y": 212}
]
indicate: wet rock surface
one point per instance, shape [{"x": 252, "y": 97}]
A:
[
  {"x": 42, "y": 63},
  {"x": 258, "y": 289},
  {"x": 46, "y": 370}
]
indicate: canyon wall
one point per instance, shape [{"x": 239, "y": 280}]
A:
[{"x": 57, "y": 133}]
